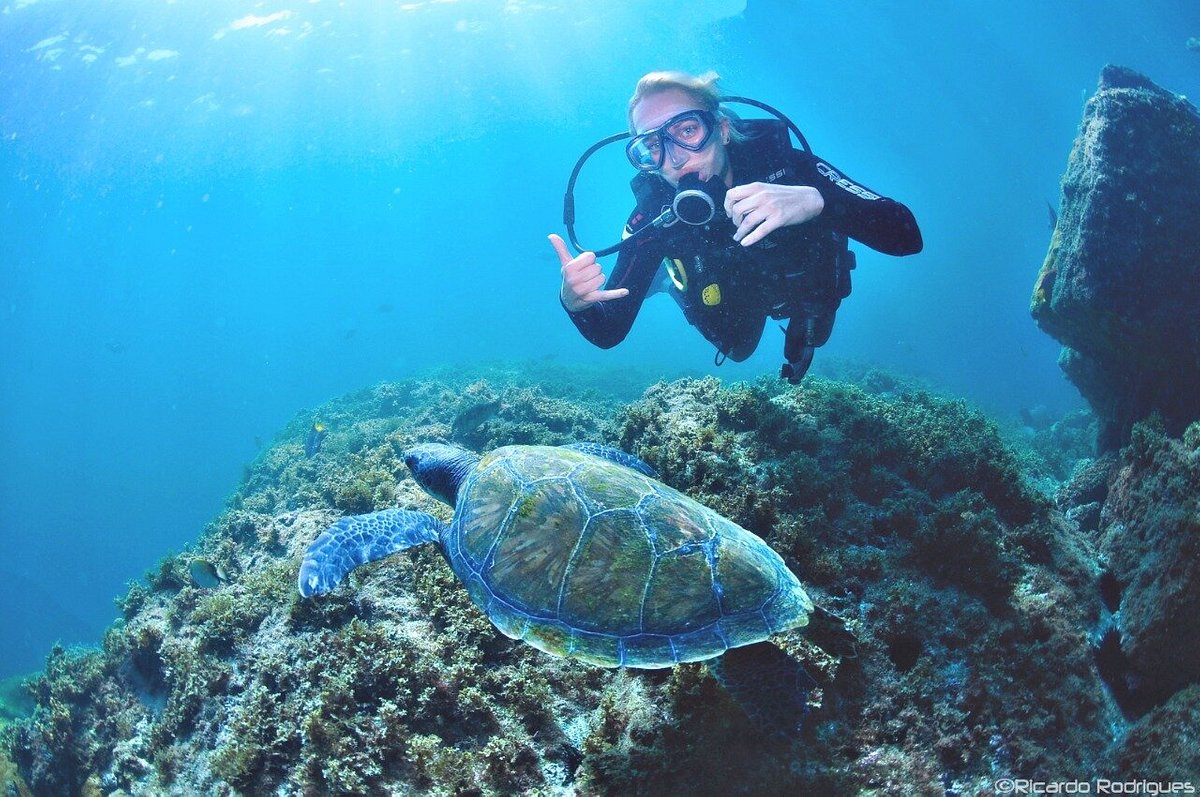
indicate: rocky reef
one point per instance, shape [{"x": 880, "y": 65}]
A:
[
  {"x": 1148, "y": 534},
  {"x": 962, "y": 639},
  {"x": 1120, "y": 286},
  {"x": 1140, "y": 507}
]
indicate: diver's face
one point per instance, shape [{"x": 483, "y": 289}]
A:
[{"x": 655, "y": 109}]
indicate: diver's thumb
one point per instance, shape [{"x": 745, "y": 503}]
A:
[{"x": 560, "y": 247}]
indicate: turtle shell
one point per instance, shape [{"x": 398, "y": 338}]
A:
[{"x": 582, "y": 557}]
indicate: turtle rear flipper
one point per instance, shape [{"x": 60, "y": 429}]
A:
[
  {"x": 356, "y": 540},
  {"x": 766, "y": 683}
]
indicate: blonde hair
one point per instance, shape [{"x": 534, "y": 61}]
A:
[{"x": 701, "y": 88}]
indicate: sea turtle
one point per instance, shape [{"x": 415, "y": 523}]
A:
[{"x": 580, "y": 552}]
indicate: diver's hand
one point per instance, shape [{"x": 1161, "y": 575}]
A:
[
  {"x": 761, "y": 208},
  {"x": 582, "y": 279}
]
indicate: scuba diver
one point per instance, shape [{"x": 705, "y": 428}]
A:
[{"x": 733, "y": 221}]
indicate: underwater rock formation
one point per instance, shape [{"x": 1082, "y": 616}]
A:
[
  {"x": 1156, "y": 750},
  {"x": 958, "y": 648},
  {"x": 1120, "y": 286},
  {"x": 1150, "y": 537}
]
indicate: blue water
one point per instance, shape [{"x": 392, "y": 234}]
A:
[{"x": 215, "y": 214}]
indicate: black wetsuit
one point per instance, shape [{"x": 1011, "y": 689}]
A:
[{"x": 727, "y": 291}]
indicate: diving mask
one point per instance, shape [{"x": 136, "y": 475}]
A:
[{"x": 690, "y": 130}]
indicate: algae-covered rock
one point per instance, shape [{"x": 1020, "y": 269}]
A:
[
  {"x": 1150, "y": 537},
  {"x": 1120, "y": 286},
  {"x": 1155, "y": 750},
  {"x": 955, "y": 645},
  {"x": 905, "y": 513}
]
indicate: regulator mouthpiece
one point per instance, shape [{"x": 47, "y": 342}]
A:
[{"x": 695, "y": 201}]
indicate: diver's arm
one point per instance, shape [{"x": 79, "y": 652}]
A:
[
  {"x": 606, "y": 323},
  {"x": 860, "y": 213}
]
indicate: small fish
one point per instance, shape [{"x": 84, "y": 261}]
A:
[
  {"x": 470, "y": 419},
  {"x": 316, "y": 436},
  {"x": 1053, "y": 216},
  {"x": 1036, "y": 418},
  {"x": 16, "y": 699},
  {"x": 205, "y": 574}
]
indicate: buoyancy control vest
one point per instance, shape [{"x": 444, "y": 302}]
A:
[{"x": 726, "y": 290}]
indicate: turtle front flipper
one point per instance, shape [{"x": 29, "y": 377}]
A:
[
  {"x": 614, "y": 455},
  {"x": 359, "y": 539},
  {"x": 766, "y": 683}
]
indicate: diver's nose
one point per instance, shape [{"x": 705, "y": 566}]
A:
[{"x": 675, "y": 154}]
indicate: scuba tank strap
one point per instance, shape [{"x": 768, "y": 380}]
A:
[{"x": 766, "y": 151}]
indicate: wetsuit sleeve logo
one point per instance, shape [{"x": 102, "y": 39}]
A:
[{"x": 841, "y": 182}]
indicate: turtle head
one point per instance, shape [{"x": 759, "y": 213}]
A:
[{"x": 440, "y": 468}]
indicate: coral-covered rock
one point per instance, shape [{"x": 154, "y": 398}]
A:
[
  {"x": 1082, "y": 497},
  {"x": 905, "y": 513},
  {"x": 1120, "y": 286},
  {"x": 1150, "y": 536},
  {"x": 954, "y": 645},
  {"x": 1155, "y": 750},
  {"x": 1088, "y": 483}
]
